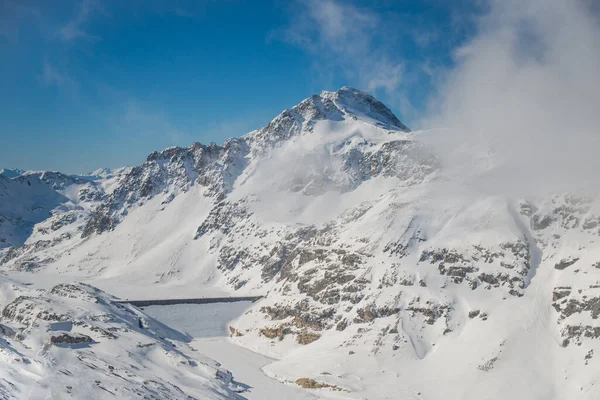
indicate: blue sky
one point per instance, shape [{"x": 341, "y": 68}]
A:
[{"x": 89, "y": 84}]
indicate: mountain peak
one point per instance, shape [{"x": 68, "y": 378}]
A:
[
  {"x": 364, "y": 106},
  {"x": 345, "y": 103}
]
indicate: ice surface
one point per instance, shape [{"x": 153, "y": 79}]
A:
[{"x": 199, "y": 320}]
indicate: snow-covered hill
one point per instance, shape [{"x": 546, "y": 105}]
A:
[
  {"x": 74, "y": 341},
  {"x": 384, "y": 275}
]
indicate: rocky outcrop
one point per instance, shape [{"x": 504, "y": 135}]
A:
[{"x": 62, "y": 338}]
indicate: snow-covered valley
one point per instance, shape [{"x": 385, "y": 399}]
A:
[
  {"x": 385, "y": 274},
  {"x": 208, "y": 325}
]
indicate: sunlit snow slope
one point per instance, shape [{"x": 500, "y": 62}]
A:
[{"x": 74, "y": 341}]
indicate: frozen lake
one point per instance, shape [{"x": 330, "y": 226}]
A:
[
  {"x": 199, "y": 320},
  {"x": 208, "y": 324}
]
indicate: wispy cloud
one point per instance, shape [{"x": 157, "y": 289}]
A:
[
  {"x": 327, "y": 24},
  {"x": 180, "y": 8},
  {"x": 53, "y": 77},
  {"x": 141, "y": 120},
  {"x": 12, "y": 16},
  {"x": 348, "y": 38},
  {"x": 148, "y": 124},
  {"x": 183, "y": 12},
  {"x": 385, "y": 75},
  {"x": 233, "y": 127},
  {"x": 75, "y": 28}
]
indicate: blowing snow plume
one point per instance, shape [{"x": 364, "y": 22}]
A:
[{"x": 525, "y": 89}]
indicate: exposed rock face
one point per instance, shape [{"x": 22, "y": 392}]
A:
[
  {"x": 350, "y": 101},
  {"x": 56, "y": 180},
  {"x": 565, "y": 263},
  {"x": 70, "y": 339},
  {"x": 334, "y": 106},
  {"x": 171, "y": 172},
  {"x": 309, "y": 383},
  {"x": 175, "y": 169}
]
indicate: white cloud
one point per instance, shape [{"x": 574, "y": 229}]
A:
[
  {"x": 527, "y": 87},
  {"x": 345, "y": 37},
  {"x": 343, "y": 28}
]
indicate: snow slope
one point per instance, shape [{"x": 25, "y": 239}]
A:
[
  {"x": 385, "y": 275},
  {"x": 208, "y": 325},
  {"x": 74, "y": 341}
]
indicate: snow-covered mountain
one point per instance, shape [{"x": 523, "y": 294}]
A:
[
  {"x": 11, "y": 172},
  {"x": 395, "y": 278},
  {"x": 44, "y": 202}
]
